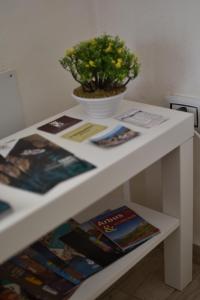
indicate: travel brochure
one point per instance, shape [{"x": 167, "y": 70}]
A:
[
  {"x": 84, "y": 132},
  {"x": 117, "y": 136},
  {"x": 36, "y": 164},
  {"x": 141, "y": 118},
  {"x": 59, "y": 124},
  {"x": 56, "y": 265}
]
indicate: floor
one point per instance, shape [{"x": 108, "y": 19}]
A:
[{"x": 145, "y": 282}]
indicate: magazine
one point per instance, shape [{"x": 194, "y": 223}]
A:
[
  {"x": 76, "y": 263},
  {"x": 141, "y": 118},
  {"x": 84, "y": 132},
  {"x": 49, "y": 265},
  {"x": 37, "y": 165},
  {"x": 115, "y": 137},
  {"x": 11, "y": 290},
  {"x": 80, "y": 241},
  {"x": 59, "y": 124},
  {"x": 31, "y": 283},
  {"x": 124, "y": 227}
]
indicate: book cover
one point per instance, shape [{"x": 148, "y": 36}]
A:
[
  {"x": 9, "y": 290},
  {"x": 5, "y": 208},
  {"x": 36, "y": 164},
  {"x": 115, "y": 137},
  {"x": 27, "y": 263},
  {"x": 50, "y": 265},
  {"x": 124, "y": 227},
  {"x": 84, "y": 132},
  {"x": 59, "y": 124},
  {"x": 29, "y": 282},
  {"x": 97, "y": 237},
  {"x": 78, "y": 264},
  {"x": 80, "y": 241}
]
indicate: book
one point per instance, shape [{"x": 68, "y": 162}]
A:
[
  {"x": 80, "y": 241},
  {"x": 5, "y": 208},
  {"x": 32, "y": 284},
  {"x": 49, "y": 265},
  {"x": 37, "y": 165},
  {"x": 76, "y": 263},
  {"x": 125, "y": 227},
  {"x": 117, "y": 136},
  {"x": 13, "y": 291},
  {"x": 84, "y": 132},
  {"x": 59, "y": 124}
]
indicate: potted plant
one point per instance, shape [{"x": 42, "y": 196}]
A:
[{"x": 103, "y": 67}]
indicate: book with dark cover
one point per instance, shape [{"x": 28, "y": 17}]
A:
[
  {"x": 5, "y": 208},
  {"x": 36, "y": 164},
  {"x": 80, "y": 240},
  {"x": 9, "y": 290},
  {"x": 76, "y": 263},
  {"x": 124, "y": 227},
  {"x": 32, "y": 284},
  {"x": 59, "y": 124}
]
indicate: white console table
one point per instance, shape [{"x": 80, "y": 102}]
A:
[{"x": 34, "y": 215}]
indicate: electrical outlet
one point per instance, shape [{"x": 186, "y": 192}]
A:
[
  {"x": 187, "y": 108},
  {"x": 186, "y": 104}
]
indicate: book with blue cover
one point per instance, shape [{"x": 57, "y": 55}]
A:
[
  {"x": 76, "y": 262},
  {"x": 125, "y": 227}
]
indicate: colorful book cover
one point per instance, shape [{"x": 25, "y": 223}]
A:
[
  {"x": 84, "y": 132},
  {"x": 27, "y": 263},
  {"x": 78, "y": 264},
  {"x": 10, "y": 290},
  {"x": 4, "y": 208},
  {"x": 115, "y": 137},
  {"x": 59, "y": 124},
  {"x": 36, "y": 164},
  {"x": 124, "y": 227},
  {"x": 29, "y": 282},
  {"x": 48, "y": 264}
]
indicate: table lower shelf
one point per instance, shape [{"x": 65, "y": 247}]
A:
[{"x": 98, "y": 283}]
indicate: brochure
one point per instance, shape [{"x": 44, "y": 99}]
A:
[
  {"x": 124, "y": 227},
  {"x": 59, "y": 124},
  {"x": 11, "y": 290},
  {"x": 36, "y": 164},
  {"x": 84, "y": 132},
  {"x": 115, "y": 137},
  {"x": 141, "y": 118}
]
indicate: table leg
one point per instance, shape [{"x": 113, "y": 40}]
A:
[{"x": 177, "y": 172}]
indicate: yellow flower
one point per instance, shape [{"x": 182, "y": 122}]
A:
[
  {"x": 109, "y": 48},
  {"x": 69, "y": 52},
  {"x": 119, "y": 50},
  {"x": 92, "y": 63},
  {"x": 119, "y": 62}
]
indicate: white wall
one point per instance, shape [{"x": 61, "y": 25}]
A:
[
  {"x": 166, "y": 36},
  {"x": 33, "y": 36}
]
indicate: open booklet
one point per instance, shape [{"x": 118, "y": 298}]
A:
[{"x": 36, "y": 164}]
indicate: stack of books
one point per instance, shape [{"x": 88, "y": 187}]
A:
[{"x": 56, "y": 265}]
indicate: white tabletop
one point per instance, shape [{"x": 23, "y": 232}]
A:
[{"x": 35, "y": 215}]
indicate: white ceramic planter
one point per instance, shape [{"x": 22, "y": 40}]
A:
[{"x": 100, "y": 107}]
